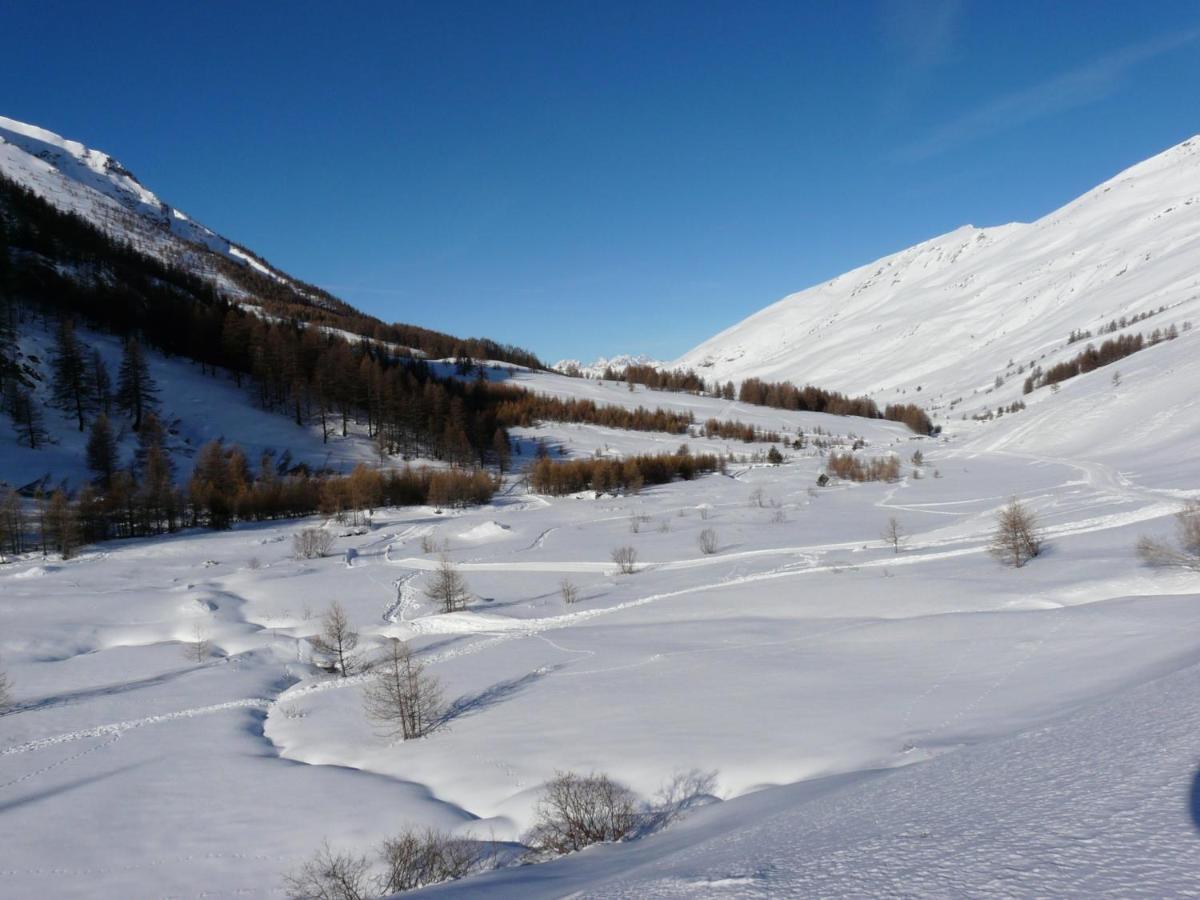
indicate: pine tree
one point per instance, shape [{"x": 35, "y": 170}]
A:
[
  {"x": 26, "y": 417},
  {"x": 136, "y": 391},
  {"x": 102, "y": 451},
  {"x": 70, "y": 374},
  {"x": 100, "y": 382}
]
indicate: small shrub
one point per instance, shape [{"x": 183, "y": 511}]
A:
[
  {"x": 312, "y": 543},
  {"x": 569, "y": 591},
  {"x": 626, "y": 559},
  {"x": 414, "y": 859},
  {"x": 1186, "y": 551},
  {"x": 707, "y": 540},
  {"x": 893, "y": 534},
  {"x": 1016, "y": 539},
  {"x": 330, "y": 876},
  {"x": 577, "y": 811}
]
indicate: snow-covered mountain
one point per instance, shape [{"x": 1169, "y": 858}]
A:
[
  {"x": 597, "y": 367},
  {"x": 94, "y": 185},
  {"x": 951, "y": 314}
]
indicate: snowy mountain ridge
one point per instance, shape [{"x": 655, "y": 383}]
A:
[
  {"x": 90, "y": 183},
  {"x": 948, "y": 315},
  {"x": 597, "y": 367}
]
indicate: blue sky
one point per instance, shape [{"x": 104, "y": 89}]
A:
[{"x": 586, "y": 178}]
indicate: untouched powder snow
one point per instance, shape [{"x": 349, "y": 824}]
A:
[{"x": 942, "y": 320}]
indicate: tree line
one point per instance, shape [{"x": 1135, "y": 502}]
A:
[
  {"x": 1092, "y": 357},
  {"x": 775, "y": 394},
  {"x": 628, "y": 475}
]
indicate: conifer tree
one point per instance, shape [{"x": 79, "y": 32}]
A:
[
  {"x": 100, "y": 383},
  {"x": 102, "y": 451},
  {"x": 69, "y": 379},
  {"x": 137, "y": 394},
  {"x": 26, "y": 417}
]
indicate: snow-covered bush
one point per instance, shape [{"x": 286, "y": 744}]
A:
[
  {"x": 577, "y": 811},
  {"x": 569, "y": 591},
  {"x": 707, "y": 541},
  {"x": 312, "y": 543}
]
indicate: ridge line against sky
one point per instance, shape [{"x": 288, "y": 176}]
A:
[{"x": 595, "y": 179}]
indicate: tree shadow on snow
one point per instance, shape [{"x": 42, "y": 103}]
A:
[{"x": 468, "y": 704}]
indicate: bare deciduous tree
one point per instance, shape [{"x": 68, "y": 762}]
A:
[
  {"x": 626, "y": 559},
  {"x": 1016, "y": 539},
  {"x": 758, "y": 497},
  {"x": 199, "y": 647},
  {"x": 579, "y": 810},
  {"x": 449, "y": 589},
  {"x": 401, "y": 698},
  {"x": 312, "y": 543},
  {"x": 330, "y": 876},
  {"x": 893, "y": 534},
  {"x": 1186, "y": 551},
  {"x": 569, "y": 591},
  {"x": 338, "y": 641},
  {"x": 683, "y": 793},
  {"x": 414, "y": 859},
  {"x": 707, "y": 540}
]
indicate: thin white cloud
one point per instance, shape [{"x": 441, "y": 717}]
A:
[{"x": 1078, "y": 87}]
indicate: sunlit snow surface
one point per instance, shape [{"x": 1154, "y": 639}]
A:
[{"x": 881, "y": 724}]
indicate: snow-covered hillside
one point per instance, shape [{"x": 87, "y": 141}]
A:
[
  {"x": 597, "y": 367},
  {"x": 950, "y": 315},
  {"x": 92, "y": 184}
]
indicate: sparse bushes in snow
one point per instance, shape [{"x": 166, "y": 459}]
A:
[
  {"x": 338, "y": 642},
  {"x": 1017, "y": 538},
  {"x": 312, "y": 543},
  {"x": 448, "y": 588},
  {"x": 577, "y": 811},
  {"x": 569, "y": 591},
  {"x": 414, "y": 859},
  {"x": 1185, "y": 551},
  {"x": 401, "y": 698},
  {"x": 330, "y": 876},
  {"x": 707, "y": 541},
  {"x": 850, "y": 467},
  {"x": 626, "y": 559}
]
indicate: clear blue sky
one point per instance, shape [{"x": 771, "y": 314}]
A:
[{"x": 586, "y": 178}]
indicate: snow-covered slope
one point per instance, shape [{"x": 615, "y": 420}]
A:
[
  {"x": 97, "y": 187},
  {"x": 597, "y": 367},
  {"x": 950, "y": 315}
]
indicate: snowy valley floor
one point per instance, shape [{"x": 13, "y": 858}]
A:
[{"x": 921, "y": 723}]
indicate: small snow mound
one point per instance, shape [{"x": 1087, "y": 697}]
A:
[
  {"x": 36, "y": 572},
  {"x": 486, "y": 531}
]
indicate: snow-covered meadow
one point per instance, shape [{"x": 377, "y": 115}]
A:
[{"x": 867, "y": 712}]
